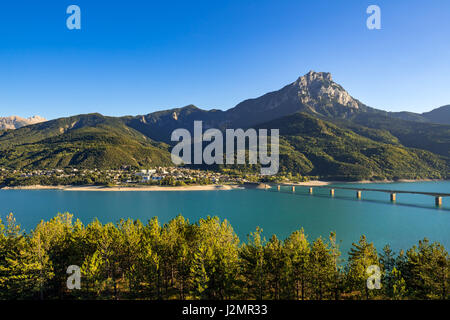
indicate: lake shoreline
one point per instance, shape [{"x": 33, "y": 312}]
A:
[
  {"x": 326, "y": 183},
  {"x": 211, "y": 187},
  {"x": 118, "y": 188}
]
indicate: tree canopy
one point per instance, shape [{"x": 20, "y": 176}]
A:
[{"x": 205, "y": 260}]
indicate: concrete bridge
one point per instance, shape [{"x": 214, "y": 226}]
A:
[{"x": 393, "y": 193}]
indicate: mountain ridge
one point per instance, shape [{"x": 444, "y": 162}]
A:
[
  {"x": 362, "y": 142},
  {"x": 84, "y": 141}
]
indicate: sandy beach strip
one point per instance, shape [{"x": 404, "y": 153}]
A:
[{"x": 118, "y": 188}]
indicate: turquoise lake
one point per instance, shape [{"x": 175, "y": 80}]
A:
[{"x": 402, "y": 224}]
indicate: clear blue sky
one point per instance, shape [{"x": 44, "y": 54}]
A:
[{"x": 135, "y": 57}]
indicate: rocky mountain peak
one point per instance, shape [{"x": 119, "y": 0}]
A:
[
  {"x": 318, "y": 88},
  {"x": 315, "y": 93},
  {"x": 36, "y": 119},
  {"x": 312, "y": 77},
  {"x": 15, "y": 122}
]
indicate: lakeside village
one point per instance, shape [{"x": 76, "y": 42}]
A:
[{"x": 128, "y": 176}]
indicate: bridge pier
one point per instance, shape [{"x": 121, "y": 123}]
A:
[
  {"x": 393, "y": 193},
  {"x": 393, "y": 197}
]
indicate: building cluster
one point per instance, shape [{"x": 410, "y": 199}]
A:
[
  {"x": 127, "y": 175},
  {"x": 184, "y": 174}
]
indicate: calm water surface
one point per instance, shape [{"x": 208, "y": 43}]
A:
[{"x": 412, "y": 218}]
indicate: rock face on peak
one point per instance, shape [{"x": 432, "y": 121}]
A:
[
  {"x": 313, "y": 78},
  {"x": 318, "y": 87},
  {"x": 314, "y": 93},
  {"x": 15, "y": 122}
]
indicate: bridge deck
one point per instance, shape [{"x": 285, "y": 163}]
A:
[{"x": 434, "y": 194}]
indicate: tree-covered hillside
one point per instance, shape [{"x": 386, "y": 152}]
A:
[
  {"x": 85, "y": 141},
  {"x": 427, "y": 136},
  {"x": 311, "y": 146}
]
